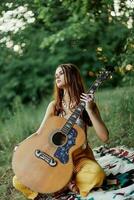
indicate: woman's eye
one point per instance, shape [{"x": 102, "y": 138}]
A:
[
  {"x": 57, "y": 75},
  {"x": 61, "y": 73}
]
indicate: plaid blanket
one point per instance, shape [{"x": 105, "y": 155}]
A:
[{"x": 118, "y": 164}]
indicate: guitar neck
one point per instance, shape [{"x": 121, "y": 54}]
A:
[{"x": 77, "y": 112}]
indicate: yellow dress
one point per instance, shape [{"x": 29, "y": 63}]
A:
[
  {"x": 87, "y": 172},
  {"x": 28, "y": 193}
]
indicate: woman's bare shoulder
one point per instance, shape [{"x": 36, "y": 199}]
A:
[
  {"x": 52, "y": 103},
  {"x": 51, "y": 106}
]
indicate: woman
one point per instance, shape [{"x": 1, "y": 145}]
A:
[{"x": 69, "y": 91}]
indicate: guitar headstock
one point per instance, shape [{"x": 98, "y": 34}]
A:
[{"x": 105, "y": 73}]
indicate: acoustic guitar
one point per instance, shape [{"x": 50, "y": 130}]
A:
[{"x": 44, "y": 162}]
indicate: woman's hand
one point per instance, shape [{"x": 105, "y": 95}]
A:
[
  {"x": 89, "y": 100},
  {"x": 72, "y": 186}
]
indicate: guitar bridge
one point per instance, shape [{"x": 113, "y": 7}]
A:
[{"x": 45, "y": 157}]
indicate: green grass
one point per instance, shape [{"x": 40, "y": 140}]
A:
[
  {"x": 117, "y": 110},
  {"x": 22, "y": 122}
]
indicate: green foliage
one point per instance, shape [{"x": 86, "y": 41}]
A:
[
  {"x": 128, "y": 79},
  {"x": 80, "y": 32}
]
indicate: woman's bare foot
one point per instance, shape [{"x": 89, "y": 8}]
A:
[{"x": 73, "y": 187}]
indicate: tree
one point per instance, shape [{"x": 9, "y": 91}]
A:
[{"x": 90, "y": 34}]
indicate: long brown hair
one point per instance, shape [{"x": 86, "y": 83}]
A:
[{"x": 75, "y": 89}]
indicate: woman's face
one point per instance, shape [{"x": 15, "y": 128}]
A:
[{"x": 60, "y": 77}]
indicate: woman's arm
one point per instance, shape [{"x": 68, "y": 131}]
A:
[
  {"x": 98, "y": 124},
  {"x": 49, "y": 113},
  {"x": 94, "y": 114}
]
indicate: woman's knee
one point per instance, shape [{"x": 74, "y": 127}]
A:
[
  {"x": 22, "y": 188},
  {"x": 91, "y": 174},
  {"x": 99, "y": 176},
  {"x": 100, "y": 172},
  {"x": 18, "y": 185}
]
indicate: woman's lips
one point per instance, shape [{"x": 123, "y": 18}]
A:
[{"x": 58, "y": 81}]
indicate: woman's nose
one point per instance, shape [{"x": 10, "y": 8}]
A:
[{"x": 58, "y": 76}]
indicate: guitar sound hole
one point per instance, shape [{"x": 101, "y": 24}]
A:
[{"x": 59, "y": 138}]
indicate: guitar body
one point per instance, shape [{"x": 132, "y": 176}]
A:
[{"x": 43, "y": 162}]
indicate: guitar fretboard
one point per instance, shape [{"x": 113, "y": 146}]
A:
[
  {"x": 79, "y": 109},
  {"x": 77, "y": 112}
]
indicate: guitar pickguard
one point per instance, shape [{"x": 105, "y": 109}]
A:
[{"x": 62, "y": 151}]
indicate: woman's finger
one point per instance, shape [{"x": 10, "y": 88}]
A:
[
  {"x": 86, "y": 100},
  {"x": 87, "y": 96},
  {"x": 83, "y": 100},
  {"x": 91, "y": 95},
  {"x": 84, "y": 97}
]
